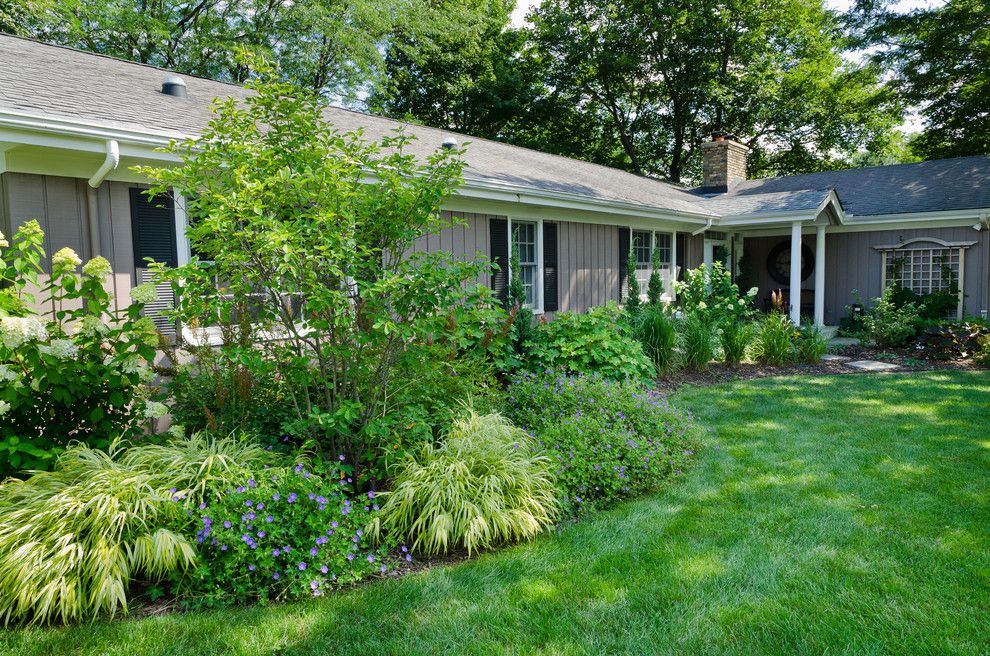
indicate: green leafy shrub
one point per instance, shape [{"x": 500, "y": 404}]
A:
[
  {"x": 280, "y": 534},
  {"x": 213, "y": 393},
  {"x": 888, "y": 325},
  {"x": 947, "y": 340},
  {"x": 982, "y": 356},
  {"x": 599, "y": 340},
  {"x": 80, "y": 373},
  {"x": 280, "y": 202},
  {"x": 484, "y": 486},
  {"x": 809, "y": 344},
  {"x": 697, "y": 337},
  {"x": 735, "y": 338},
  {"x": 657, "y": 333},
  {"x": 609, "y": 440},
  {"x": 772, "y": 343},
  {"x": 73, "y": 538}
]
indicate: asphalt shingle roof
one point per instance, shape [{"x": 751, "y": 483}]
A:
[
  {"x": 72, "y": 84},
  {"x": 769, "y": 203},
  {"x": 938, "y": 185},
  {"x": 51, "y": 80}
]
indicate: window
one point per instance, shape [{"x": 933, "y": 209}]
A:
[
  {"x": 664, "y": 240},
  {"x": 524, "y": 238},
  {"x": 642, "y": 243}
]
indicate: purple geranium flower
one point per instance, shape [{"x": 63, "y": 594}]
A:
[{"x": 302, "y": 565}]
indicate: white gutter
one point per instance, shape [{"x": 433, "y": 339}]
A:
[{"x": 703, "y": 229}]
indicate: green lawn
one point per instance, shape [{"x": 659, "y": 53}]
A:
[{"x": 838, "y": 515}]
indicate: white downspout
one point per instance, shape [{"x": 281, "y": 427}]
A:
[
  {"x": 110, "y": 162},
  {"x": 697, "y": 232}
]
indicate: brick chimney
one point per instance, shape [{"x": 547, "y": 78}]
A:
[{"x": 724, "y": 163}]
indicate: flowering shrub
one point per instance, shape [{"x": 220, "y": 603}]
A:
[
  {"x": 597, "y": 341},
  {"x": 609, "y": 440},
  {"x": 282, "y": 533},
  {"x": 710, "y": 294},
  {"x": 79, "y": 372}
]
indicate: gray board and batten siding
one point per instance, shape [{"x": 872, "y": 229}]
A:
[
  {"x": 61, "y": 207},
  {"x": 852, "y": 262}
]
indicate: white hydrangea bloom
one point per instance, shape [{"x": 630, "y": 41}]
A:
[
  {"x": 155, "y": 410},
  {"x": 144, "y": 293},
  {"x": 4, "y": 408},
  {"x": 3, "y": 241},
  {"x": 7, "y": 374},
  {"x": 702, "y": 305},
  {"x": 91, "y": 325},
  {"x": 742, "y": 302},
  {"x": 98, "y": 268},
  {"x": 753, "y": 291},
  {"x": 64, "y": 349},
  {"x": 65, "y": 259},
  {"x": 15, "y": 331}
]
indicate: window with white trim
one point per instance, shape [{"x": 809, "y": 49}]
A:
[
  {"x": 664, "y": 245},
  {"x": 525, "y": 239},
  {"x": 642, "y": 244}
]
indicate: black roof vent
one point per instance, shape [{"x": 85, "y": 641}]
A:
[{"x": 173, "y": 85}]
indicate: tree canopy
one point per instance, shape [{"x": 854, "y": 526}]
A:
[
  {"x": 940, "y": 58},
  {"x": 637, "y": 84}
]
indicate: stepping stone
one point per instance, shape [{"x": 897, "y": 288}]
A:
[
  {"x": 872, "y": 365},
  {"x": 843, "y": 341},
  {"x": 832, "y": 357}
]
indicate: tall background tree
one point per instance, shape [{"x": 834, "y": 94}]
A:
[
  {"x": 940, "y": 60},
  {"x": 330, "y": 46},
  {"x": 664, "y": 75}
]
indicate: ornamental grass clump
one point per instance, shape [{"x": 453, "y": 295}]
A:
[
  {"x": 608, "y": 440},
  {"x": 72, "y": 539},
  {"x": 772, "y": 343},
  {"x": 484, "y": 485}
]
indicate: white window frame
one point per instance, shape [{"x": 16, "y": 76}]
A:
[{"x": 537, "y": 305}]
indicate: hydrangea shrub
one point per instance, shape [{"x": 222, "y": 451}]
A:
[
  {"x": 280, "y": 534},
  {"x": 609, "y": 440},
  {"x": 79, "y": 372}
]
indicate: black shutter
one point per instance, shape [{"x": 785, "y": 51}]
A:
[
  {"x": 623, "y": 260},
  {"x": 549, "y": 267},
  {"x": 498, "y": 237},
  {"x": 153, "y": 232},
  {"x": 153, "y": 228},
  {"x": 680, "y": 254}
]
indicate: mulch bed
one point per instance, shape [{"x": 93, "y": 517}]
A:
[{"x": 907, "y": 358}]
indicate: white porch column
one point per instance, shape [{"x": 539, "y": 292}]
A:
[
  {"x": 820, "y": 276},
  {"x": 794, "y": 292}
]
